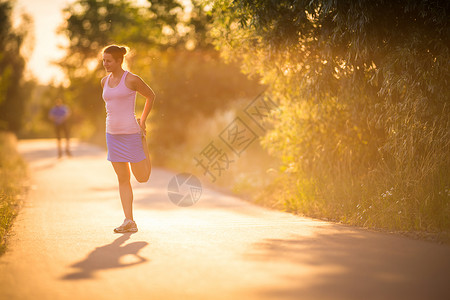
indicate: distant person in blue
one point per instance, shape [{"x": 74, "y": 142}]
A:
[{"x": 59, "y": 114}]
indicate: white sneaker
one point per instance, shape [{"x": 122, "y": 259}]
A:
[{"x": 127, "y": 226}]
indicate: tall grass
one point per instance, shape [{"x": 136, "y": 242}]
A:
[
  {"x": 12, "y": 174},
  {"x": 341, "y": 168}
]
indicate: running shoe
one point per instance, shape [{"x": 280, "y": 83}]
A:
[{"x": 127, "y": 226}]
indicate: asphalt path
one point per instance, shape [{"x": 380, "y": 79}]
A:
[{"x": 62, "y": 244}]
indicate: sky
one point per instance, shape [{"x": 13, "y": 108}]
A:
[{"x": 47, "y": 16}]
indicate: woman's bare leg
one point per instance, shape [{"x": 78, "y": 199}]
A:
[
  {"x": 141, "y": 170},
  {"x": 126, "y": 193}
]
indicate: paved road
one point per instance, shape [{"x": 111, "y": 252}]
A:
[{"x": 62, "y": 245}]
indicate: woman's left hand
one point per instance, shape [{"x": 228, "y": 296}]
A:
[{"x": 142, "y": 125}]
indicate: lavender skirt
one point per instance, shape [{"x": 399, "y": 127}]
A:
[{"x": 125, "y": 147}]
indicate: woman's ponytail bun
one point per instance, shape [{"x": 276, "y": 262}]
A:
[{"x": 117, "y": 52}]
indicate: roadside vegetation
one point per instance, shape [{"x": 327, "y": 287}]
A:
[
  {"x": 14, "y": 94},
  {"x": 12, "y": 176},
  {"x": 363, "y": 125}
]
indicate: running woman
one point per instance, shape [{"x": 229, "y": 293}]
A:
[{"x": 123, "y": 131}]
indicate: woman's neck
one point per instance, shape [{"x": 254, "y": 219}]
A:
[{"x": 117, "y": 73}]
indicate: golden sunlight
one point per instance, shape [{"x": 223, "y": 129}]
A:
[{"x": 47, "y": 16}]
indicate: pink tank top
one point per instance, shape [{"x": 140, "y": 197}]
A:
[{"x": 120, "y": 104}]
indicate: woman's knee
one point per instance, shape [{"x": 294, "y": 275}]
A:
[
  {"x": 142, "y": 173},
  {"x": 144, "y": 176},
  {"x": 142, "y": 179}
]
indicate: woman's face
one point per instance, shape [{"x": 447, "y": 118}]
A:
[{"x": 109, "y": 63}]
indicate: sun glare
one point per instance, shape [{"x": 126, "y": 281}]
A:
[{"x": 47, "y": 16}]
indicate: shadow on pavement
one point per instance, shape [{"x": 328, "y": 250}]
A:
[
  {"x": 107, "y": 257},
  {"x": 350, "y": 265}
]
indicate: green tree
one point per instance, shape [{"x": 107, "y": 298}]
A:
[
  {"x": 363, "y": 87},
  {"x": 14, "y": 90}
]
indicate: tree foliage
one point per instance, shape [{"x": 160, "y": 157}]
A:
[
  {"x": 14, "y": 90},
  {"x": 364, "y": 94}
]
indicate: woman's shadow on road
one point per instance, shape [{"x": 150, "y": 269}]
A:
[{"x": 107, "y": 257}]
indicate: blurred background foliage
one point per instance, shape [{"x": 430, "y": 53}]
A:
[
  {"x": 15, "y": 90},
  {"x": 15, "y": 44},
  {"x": 361, "y": 133}
]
